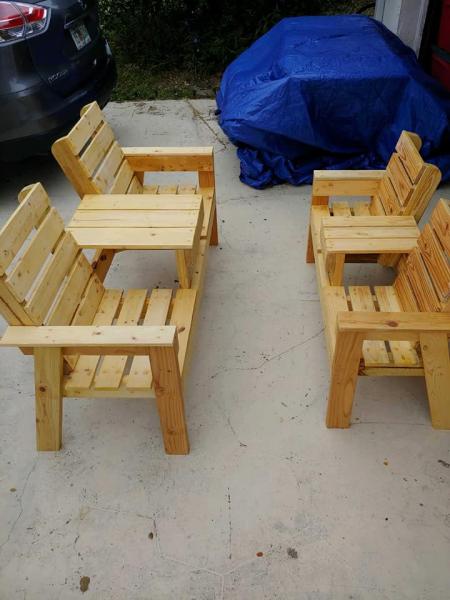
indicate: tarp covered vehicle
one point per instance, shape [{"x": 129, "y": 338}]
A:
[{"x": 329, "y": 92}]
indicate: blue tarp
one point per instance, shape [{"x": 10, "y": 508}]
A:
[{"x": 329, "y": 93}]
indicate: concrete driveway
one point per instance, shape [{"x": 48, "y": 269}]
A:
[{"x": 269, "y": 504}]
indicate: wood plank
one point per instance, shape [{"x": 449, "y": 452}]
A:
[
  {"x": 123, "y": 179},
  {"x": 341, "y": 209},
  {"x": 355, "y": 233},
  {"x": 89, "y": 303},
  {"x": 135, "y": 186},
  {"x": 14, "y": 305},
  {"x": 53, "y": 275},
  {"x": 388, "y": 197},
  {"x": 169, "y": 399},
  {"x": 181, "y": 317},
  {"x": 64, "y": 309},
  {"x": 134, "y": 219},
  {"x": 333, "y": 301},
  {"x": 410, "y": 156},
  {"x": 399, "y": 179},
  {"x": 140, "y": 376},
  {"x": 111, "y": 371},
  {"x": 128, "y": 238},
  {"x": 105, "y": 176},
  {"x": 83, "y": 374},
  {"x": 421, "y": 284},
  {"x": 97, "y": 148},
  {"x": 80, "y": 133},
  {"x": 440, "y": 221},
  {"x": 369, "y": 245},
  {"x": 370, "y": 221},
  {"x": 436, "y": 362},
  {"x": 32, "y": 260},
  {"x": 112, "y": 341},
  {"x": 404, "y": 293},
  {"x": 170, "y": 158},
  {"x": 361, "y": 209},
  {"x": 374, "y": 352},
  {"x": 129, "y": 202},
  {"x": 346, "y": 183},
  {"x": 344, "y": 375},
  {"x": 187, "y": 189},
  {"x": 403, "y": 353},
  {"x": 423, "y": 191},
  {"x": 393, "y": 326},
  {"x": 436, "y": 262},
  {"x": 18, "y": 227},
  {"x": 8, "y": 315},
  {"x": 48, "y": 373}
]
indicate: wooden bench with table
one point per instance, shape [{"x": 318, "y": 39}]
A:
[
  {"x": 88, "y": 340},
  {"x": 402, "y": 329},
  {"x": 404, "y": 188},
  {"x": 95, "y": 164}
]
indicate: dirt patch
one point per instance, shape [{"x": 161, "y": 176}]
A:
[{"x": 84, "y": 583}]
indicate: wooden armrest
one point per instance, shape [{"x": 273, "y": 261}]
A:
[
  {"x": 393, "y": 326},
  {"x": 107, "y": 340},
  {"x": 170, "y": 159},
  {"x": 346, "y": 183}
]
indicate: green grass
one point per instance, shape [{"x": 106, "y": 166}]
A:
[{"x": 137, "y": 83}]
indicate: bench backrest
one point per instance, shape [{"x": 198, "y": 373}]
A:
[
  {"x": 92, "y": 159},
  {"x": 409, "y": 182},
  {"x": 423, "y": 281},
  {"x": 45, "y": 278}
]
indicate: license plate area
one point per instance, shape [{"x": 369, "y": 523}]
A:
[{"x": 80, "y": 36}]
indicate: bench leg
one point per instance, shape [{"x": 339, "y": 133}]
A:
[
  {"x": 169, "y": 399},
  {"x": 436, "y": 363},
  {"x": 344, "y": 375},
  {"x": 48, "y": 373},
  {"x": 214, "y": 240},
  {"x": 315, "y": 201}
]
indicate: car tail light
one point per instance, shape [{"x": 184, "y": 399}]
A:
[{"x": 19, "y": 20}]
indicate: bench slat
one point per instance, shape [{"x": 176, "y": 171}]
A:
[
  {"x": 374, "y": 352},
  {"x": 140, "y": 376},
  {"x": 83, "y": 374},
  {"x": 112, "y": 369}
]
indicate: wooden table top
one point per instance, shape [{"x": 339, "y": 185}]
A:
[
  {"x": 368, "y": 235},
  {"x": 138, "y": 221}
]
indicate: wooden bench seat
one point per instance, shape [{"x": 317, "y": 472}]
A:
[
  {"x": 402, "y": 329},
  {"x": 88, "y": 340}
]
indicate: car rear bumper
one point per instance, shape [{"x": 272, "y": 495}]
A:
[{"x": 34, "y": 118}]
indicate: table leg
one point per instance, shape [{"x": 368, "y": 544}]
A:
[
  {"x": 335, "y": 268},
  {"x": 183, "y": 268}
]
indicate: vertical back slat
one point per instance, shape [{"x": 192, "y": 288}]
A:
[
  {"x": 81, "y": 133},
  {"x": 30, "y": 263},
  {"x": 19, "y": 226},
  {"x": 409, "y": 155}
]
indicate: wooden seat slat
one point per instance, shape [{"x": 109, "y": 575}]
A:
[
  {"x": 82, "y": 376},
  {"x": 374, "y": 352},
  {"x": 140, "y": 376},
  {"x": 111, "y": 371},
  {"x": 403, "y": 353}
]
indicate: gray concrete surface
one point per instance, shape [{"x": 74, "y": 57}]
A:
[{"x": 269, "y": 504}]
